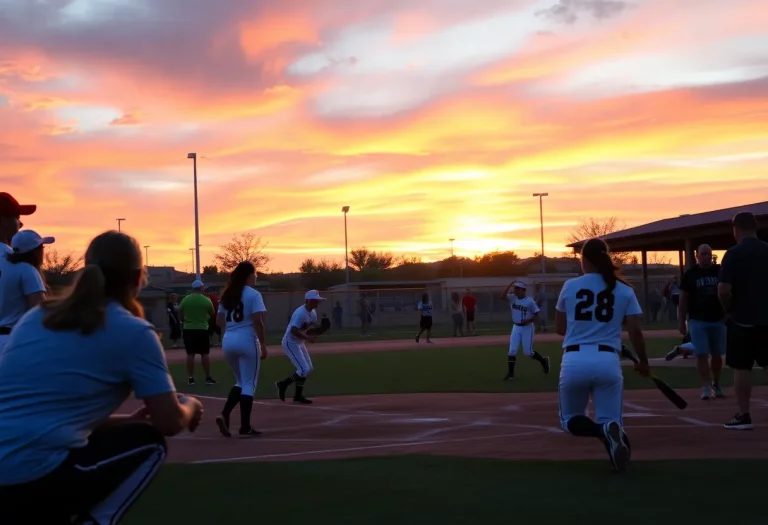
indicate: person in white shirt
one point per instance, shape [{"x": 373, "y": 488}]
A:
[
  {"x": 425, "y": 308},
  {"x": 294, "y": 345},
  {"x": 241, "y": 319},
  {"x": 21, "y": 281},
  {"x": 589, "y": 313},
  {"x": 525, "y": 312}
]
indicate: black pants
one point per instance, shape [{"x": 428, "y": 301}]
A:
[{"x": 97, "y": 483}]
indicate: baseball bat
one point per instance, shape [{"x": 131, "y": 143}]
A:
[{"x": 665, "y": 389}]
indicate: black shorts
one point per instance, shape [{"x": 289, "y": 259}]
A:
[
  {"x": 426, "y": 322},
  {"x": 197, "y": 342},
  {"x": 746, "y": 346},
  {"x": 102, "y": 479},
  {"x": 470, "y": 316}
]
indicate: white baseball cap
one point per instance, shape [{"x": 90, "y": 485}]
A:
[
  {"x": 313, "y": 294},
  {"x": 197, "y": 284},
  {"x": 27, "y": 240},
  {"x": 520, "y": 284}
]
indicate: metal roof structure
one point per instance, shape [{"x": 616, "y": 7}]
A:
[{"x": 711, "y": 227}]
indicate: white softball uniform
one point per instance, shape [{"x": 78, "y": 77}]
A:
[
  {"x": 294, "y": 347},
  {"x": 591, "y": 363},
  {"x": 240, "y": 343},
  {"x": 522, "y": 310},
  {"x": 17, "y": 281}
]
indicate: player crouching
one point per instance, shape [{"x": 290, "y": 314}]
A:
[{"x": 302, "y": 328}]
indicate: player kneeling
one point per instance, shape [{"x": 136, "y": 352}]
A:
[{"x": 590, "y": 313}]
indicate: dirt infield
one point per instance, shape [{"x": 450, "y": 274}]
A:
[{"x": 504, "y": 426}]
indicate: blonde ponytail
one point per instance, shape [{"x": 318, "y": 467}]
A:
[{"x": 82, "y": 308}]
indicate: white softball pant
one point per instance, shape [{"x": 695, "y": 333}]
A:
[
  {"x": 3, "y": 339},
  {"x": 521, "y": 336},
  {"x": 591, "y": 373},
  {"x": 241, "y": 351},
  {"x": 297, "y": 353}
]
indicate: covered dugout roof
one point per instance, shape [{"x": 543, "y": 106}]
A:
[{"x": 667, "y": 235}]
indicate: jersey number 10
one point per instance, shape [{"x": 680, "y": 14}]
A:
[
  {"x": 237, "y": 313},
  {"x": 603, "y": 304}
]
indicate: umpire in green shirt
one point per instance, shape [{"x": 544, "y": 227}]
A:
[{"x": 195, "y": 310}]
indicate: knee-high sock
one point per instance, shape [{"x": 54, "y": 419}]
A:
[
  {"x": 511, "y": 360},
  {"x": 290, "y": 379},
  {"x": 584, "y": 427},
  {"x": 246, "y": 405},
  {"x": 299, "y": 387},
  {"x": 232, "y": 400},
  {"x": 538, "y": 357}
]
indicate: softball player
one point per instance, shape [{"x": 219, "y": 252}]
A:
[
  {"x": 241, "y": 318},
  {"x": 21, "y": 285},
  {"x": 295, "y": 348},
  {"x": 589, "y": 313},
  {"x": 525, "y": 311},
  {"x": 425, "y": 308}
]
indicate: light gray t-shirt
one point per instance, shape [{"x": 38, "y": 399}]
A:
[
  {"x": 56, "y": 387},
  {"x": 17, "y": 281}
]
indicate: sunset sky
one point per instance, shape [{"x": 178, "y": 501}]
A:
[{"x": 431, "y": 119}]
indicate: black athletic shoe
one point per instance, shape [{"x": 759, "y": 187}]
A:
[
  {"x": 508, "y": 377},
  {"x": 191, "y": 381},
  {"x": 546, "y": 365},
  {"x": 250, "y": 432},
  {"x": 417, "y": 338},
  {"x": 673, "y": 354},
  {"x": 617, "y": 447},
  {"x": 302, "y": 400},
  {"x": 210, "y": 381},
  {"x": 223, "y": 425},
  {"x": 281, "y": 388},
  {"x": 740, "y": 422}
]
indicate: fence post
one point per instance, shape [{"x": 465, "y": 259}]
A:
[{"x": 378, "y": 308}]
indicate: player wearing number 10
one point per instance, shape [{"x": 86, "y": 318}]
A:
[
  {"x": 241, "y": 319},
  {"x": 590, "y": 313}
]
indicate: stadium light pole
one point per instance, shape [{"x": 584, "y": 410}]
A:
[
  {"x": 193, "y": 156},
  {"x": 345, "y": 210},
  {"x": 451, "y": 240},
  {"x": 541, "y": 222},
  {"x": 146, "y": 255},
  {"x": 118, "y": 223}
]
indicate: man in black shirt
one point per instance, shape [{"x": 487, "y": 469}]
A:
[
  {"x": 743, "y": 292},
  {"x": 700, "y": 306}
]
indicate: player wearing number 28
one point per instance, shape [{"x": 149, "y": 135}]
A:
[
  {"x": 241, "y": 319},
  {"x": 589, "y": 313},
  {"x": 525, "y": 311},
  {"x": 295, "y": 348}
]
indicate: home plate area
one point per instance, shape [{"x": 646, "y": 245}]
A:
[{"x": 503, "y": 426}]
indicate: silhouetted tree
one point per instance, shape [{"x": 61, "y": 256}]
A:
[
  {"x": 242, "y": 247},
  {"x": 365, "y": 259},
  {"x": 597, "y": 227},
  {"x": 211, "y": 269},
  {"x": 57, "y": 268},
  {"x": 322, "y": 274}
]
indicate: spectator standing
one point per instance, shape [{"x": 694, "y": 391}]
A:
[
  {"x": 743, "y": 289},
  {"x": 656, "y": 301},
  {"x": 700, "y": 307},
  {"x": 196, "y": 310},
  {"x": 469, "y": 305},
  {"x": 174, "y": 321},
  {"x": 672, "y": 293},
  {"x": 10, "y": 213},
  {"x": 457, "y": 315},
  {"x": 366, "y": 317},
  {"x": 338, "y": 313}
]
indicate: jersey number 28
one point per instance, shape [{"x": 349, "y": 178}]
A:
[
  {"x": 237, "y": 313},
  {"x": 603, "y": 304}
]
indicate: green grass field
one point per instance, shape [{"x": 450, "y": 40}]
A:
[
  {"x": 432, "y": 369},
  {"x": 418, "y": 490}
]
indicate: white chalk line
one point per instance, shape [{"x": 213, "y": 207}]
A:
[
  {"x": 637, "y": 407},
  {"x": 697, "y": 422},
  {"x": 359, "y": 449}
]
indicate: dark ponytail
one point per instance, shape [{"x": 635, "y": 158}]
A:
[
  {"x": 599, "y": 256},
  {"x": 238, "y": 279}
]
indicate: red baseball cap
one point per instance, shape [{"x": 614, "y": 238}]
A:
[{"x": 10, "y": 206}]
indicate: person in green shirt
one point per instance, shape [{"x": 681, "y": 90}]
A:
[{"x": 195, "y": 310}]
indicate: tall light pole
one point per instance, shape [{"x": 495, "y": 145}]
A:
[
  {"x": 451, "y": 246},
  {"x": 541, "y": 222},
  {"x": 146, "y": 255},
  {"x": 345, "y": 210},
  {"x": 193, "y": 261},
  {"x": 118, "y": 223},
  {"x": 193, "y": 156}
]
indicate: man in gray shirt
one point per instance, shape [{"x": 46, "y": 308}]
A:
[{"x": 743, "y": 292}]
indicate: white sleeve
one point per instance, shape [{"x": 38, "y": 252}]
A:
[
  {"x": 221, "y": 309},
  {"x": 633, "y": 306},
  {"x": 257, "y": 304},
  {"x": 296, "y": 319},
  {"x": 560, "y": 306}
]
